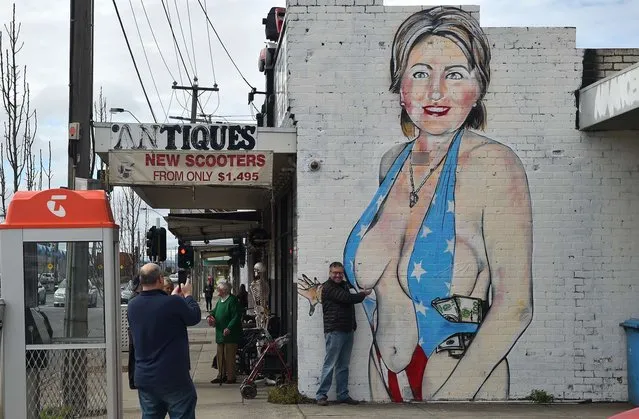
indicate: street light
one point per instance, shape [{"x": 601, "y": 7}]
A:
[{"x": 121, "y": 110}]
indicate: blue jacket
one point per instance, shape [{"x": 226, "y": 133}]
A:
[{"x": 158, "y": 326}]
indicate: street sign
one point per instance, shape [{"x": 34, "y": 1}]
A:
[{"x": 50, "y": 266}]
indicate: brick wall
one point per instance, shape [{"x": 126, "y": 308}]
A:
[
  {"x": 584, "y": 189},
  {"x": 603, "y": 62}
]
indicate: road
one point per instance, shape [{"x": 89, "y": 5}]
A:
[{"x": 56, "y": 318}]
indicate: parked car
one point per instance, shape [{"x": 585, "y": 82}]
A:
[
  {"x": 48, "y": 280},
  {"x": 42, "y": 294},
  {"x": 60, "y": 295}
]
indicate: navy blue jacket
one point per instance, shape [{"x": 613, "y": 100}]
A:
[{"x": 158, "y": 326}]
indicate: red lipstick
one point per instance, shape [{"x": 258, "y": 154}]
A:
[{"x": 436, "y": 110}]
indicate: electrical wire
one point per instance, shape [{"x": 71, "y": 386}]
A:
[
  {"x": 208, "y": 38},
  {"x": 135, "y": 65},
  {"x": 223, "y": 46},
  {"x": 188, "y": 12},
  {"x": 179, "y": 19},
  {"x": 157, "y": 45},
  {"x": 166, "y": 117},
  {"x": 218, "y": 101},
  {"x": 177, "y": 47},
  {"x": 179, "y": 58},
  {"x": 146, "y": 58}
]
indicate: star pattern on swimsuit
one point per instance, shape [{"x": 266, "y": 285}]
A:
[
  {"x": 380, "y": 201},
  {"x": 421, "y": 341},
  {"x": 362, "y": 231},
  {"x": 421, "y": 308},
  {"x": 450, "y": 246},
  {"x": 451, "y": 206},
  {"x": 426, "y": 231},
  {"x": 418, "y": 271},
  {"x": 434, "y": 199}
]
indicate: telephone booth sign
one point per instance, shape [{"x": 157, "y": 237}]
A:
[{"x": 59, "y": 278}]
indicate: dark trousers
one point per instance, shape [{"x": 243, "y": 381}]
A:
[
  {"x": 208, "y": 299},
  {"x": 179, "y": 404}
]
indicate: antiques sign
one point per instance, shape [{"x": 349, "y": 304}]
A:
[{"x": 197, "y": 137}]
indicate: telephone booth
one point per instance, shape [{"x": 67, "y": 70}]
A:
[{"x": 59, "y": 272}]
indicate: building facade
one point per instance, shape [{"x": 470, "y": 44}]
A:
[{"x": 508, "y": 266}]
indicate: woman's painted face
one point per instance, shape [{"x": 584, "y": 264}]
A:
[{"x": 438, "y": 87}]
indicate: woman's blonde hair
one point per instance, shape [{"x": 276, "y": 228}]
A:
[{"x": 456, "y": 25}]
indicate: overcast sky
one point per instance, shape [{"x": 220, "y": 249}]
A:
[{"x": 45, "y": 33}]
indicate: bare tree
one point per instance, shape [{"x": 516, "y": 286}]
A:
[
  {"x": 100, "y": 115},
  {"x": 127, "y": 206},
  {"x": 39, "y": 174},
  {"x": 21, "y": 125},
  {"x": 3, "y": 182},
  {"x": 49, "y": 171}
]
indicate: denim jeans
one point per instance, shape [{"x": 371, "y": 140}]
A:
[
  {"x": 338, "y": 355},
  {"x": 178, "y": 404}
]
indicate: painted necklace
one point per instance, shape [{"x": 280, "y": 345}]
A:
[{"x": 413, "y": 197}]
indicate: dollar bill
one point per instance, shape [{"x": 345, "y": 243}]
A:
[
  {"x": 469, "y": 309},
  {"x": 447, "y": 307},
  {"x": 456, "y": 345}
]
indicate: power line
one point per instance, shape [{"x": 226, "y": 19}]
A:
[
  {"x": 148, "y": 21},
  {"x": 208, "y": 38},
  {"x": 146, "y": 58},
  {"x": 177, "y": 47},
  {"x": 188, "y": 12},
  {"x": 166, "y": 117},
  {"x": 135, "y": 65},
  {"x": 222, "y": 43},
  {"x": 218, "y": 101},
  {"x": 179, "y": 58},
  {"x": 186, "y": 47}
]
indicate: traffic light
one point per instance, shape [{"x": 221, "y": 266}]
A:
[
  {"x": 185, "y": 256},
  {"x": 161, "y": 244},
  {"x": 151, "y": 242}
]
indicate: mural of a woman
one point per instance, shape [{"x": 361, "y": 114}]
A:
[{"x": 446, "y": 242}]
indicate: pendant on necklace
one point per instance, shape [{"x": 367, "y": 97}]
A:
[{"x": 413, "y": 198}]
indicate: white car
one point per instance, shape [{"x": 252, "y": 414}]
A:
[{"x": 60, "y": 295}]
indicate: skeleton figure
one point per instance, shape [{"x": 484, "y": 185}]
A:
[{"x": 260, "y": 290}]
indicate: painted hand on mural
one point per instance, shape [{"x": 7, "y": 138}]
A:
[{"x": 311, "y": 290}]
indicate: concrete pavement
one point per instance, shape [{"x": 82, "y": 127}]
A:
[{"x": 225, "y": 401}]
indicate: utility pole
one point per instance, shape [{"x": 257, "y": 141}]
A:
[
  {"x": 80, "y": 106},
  {"x": 195, "y": 89},
  {"x": 80, "y": 89}
]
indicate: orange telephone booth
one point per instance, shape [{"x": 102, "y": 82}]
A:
[{"x": 60, "y": 283}]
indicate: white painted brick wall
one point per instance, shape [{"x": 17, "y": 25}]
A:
[{"x": 584, "y": 187}]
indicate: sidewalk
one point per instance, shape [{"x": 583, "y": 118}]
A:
[{"x": 225, "y": 401}]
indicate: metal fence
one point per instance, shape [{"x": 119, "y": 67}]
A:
[
  {"x": 124, "y": 328},
  {"x": 66, "y": 383}
]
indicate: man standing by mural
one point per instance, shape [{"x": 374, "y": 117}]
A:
[
  {"x": 446, "y": 241},
  {"x": 339, "y": 327}
]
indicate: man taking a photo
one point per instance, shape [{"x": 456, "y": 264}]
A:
[{"x": 158, "y": 325}]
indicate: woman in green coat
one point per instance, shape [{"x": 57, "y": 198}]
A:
[{"x": 226, "y": 317}]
